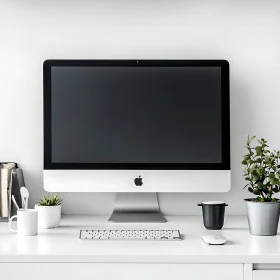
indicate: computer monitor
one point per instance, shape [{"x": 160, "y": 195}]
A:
[{"x": 136, "y": 127}]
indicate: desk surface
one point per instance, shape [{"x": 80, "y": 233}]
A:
[{"x": 63, "y": 244}]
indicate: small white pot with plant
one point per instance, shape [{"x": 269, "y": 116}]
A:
[
  {"x": 49, "y": 211},
  {"x": 262, "y": 174}
]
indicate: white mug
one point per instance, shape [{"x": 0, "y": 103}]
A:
[{"x": 27, "y": 222}]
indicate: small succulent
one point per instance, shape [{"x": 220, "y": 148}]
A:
[
  {"x": 50, "y": 199},
  {"x": 262, "y": 170}
]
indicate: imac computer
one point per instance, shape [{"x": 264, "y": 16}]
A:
[{"x": 136, "y": 128}]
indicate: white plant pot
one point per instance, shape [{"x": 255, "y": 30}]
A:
[{"x": 48, "y": 216}]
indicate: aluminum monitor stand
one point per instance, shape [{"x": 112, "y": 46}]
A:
[{"x": 136, "y": 208}]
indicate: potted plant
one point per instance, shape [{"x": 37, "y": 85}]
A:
[
  {"x": 262, "y": 176},
  {"x": 49, "y": 211}
]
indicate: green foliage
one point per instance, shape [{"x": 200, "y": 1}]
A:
[
  {"x": 50, "y": 200},
  {"x": 262, "y": 170}
]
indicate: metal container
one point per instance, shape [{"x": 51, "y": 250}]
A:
[
  {"x": 213, "y": 214},
  {"x": 263, "y": 217}
]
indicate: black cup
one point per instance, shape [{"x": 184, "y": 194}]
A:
[{"x": 213, "y": 214}]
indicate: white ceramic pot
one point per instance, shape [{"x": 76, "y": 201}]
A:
[{"x": 48, "y": 216}]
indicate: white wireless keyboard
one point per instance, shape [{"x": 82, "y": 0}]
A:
[{"x": 135, "y": 235}]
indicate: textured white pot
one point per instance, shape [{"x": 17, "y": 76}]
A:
[{"x": 48, "y": 216}]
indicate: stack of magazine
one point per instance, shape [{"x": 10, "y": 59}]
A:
[{"x": 11, "y": 180}]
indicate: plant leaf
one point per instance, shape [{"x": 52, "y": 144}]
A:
[{"x": 250, "y": 140}]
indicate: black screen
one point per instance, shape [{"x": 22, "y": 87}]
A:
[{"x": 136, "y": 114}]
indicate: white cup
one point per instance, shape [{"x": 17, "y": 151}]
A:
[{"x": 27, "y": 222}]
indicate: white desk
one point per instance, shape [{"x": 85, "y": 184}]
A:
[{"x": 60, "y": 251}]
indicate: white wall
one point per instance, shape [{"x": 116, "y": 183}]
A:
[{"x": 244, "y": 32}]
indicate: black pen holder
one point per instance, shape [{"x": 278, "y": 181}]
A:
[{"x": 213, "y": 214}]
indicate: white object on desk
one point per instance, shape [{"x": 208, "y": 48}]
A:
[
  {"x": 214, "y": 239},
  {"x": 27, "y": 222},
  {"x": 48, "y": 216},
  {"x": 131, "y": 235},
  {"x": 24, "y": 197},
  {"x": 14, "y": 201}
]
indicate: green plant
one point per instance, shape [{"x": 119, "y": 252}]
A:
[
  {"x": 262, "y": 171},
  {"x": 50, "y": 199}
]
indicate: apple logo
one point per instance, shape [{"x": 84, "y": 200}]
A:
[{"x": 138, "y": 181}]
